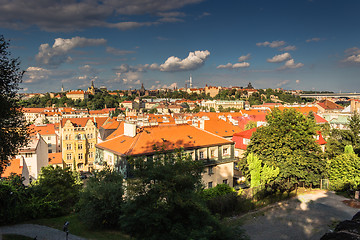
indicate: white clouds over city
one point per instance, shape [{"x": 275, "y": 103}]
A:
[
  {"x": 58, "y": 52},
  {"x": 279, "y": 58},
  {"x": 273, "y": 44}
]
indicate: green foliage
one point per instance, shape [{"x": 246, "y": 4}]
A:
[
  {"x": 165, "y": 202},
  {"x": 288, "y": 142},
  {"x": 13, "y": 127},
  {"x": 57, "y": 185},
  {"x": 254, "y": 164},
  {"x": 260, "y": 174},
  {"x": 250, "y": 125},
  {"x": 219, "y": 190},
  {"x": 101, "y": 200},
  {"x": 345, "y": 171}
]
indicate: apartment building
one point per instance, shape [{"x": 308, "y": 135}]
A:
[
  {"x": 216, "y": 152},
  {"x": 78, "y": 139}
]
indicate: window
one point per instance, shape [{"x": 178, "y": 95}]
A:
[
  {"x": 91, "y": 135},
  {"x": 212, "y": 152},
  {"x": 210, "y": 185},
  {"x": 91, "y": 145},
  {"x": 80, "y": 166},
  {"x": 80, "y": 156},
  {"x": 201, "y": 155},
  {"x": 80, "y": 146},
  {"x": 68, "y": 147},
  {"x": 49, "y": 138},
  {"x": 225, "y": 181},
  {"x": 225, "y": 151},
  {"x": 210, "y": 170},
  {"x": 49, "y": 144},
  {"x": 69, "y": 165},
  {"x": 68, "y": 156},
  {"x": 49, "y": 151},
  {"x": 28, "y": 155},
  {"x": 91, "y": 154}
]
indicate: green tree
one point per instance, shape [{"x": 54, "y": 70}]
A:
[
  {"x": 288, "y": 142},
  {"x": 164, "y": 201},
  {"x": 260, "y": 174},
  {"x": 100, "y": 202},
  {"x": 250, "y": 125},
  {"x": 58, "y": 185},
  {"x": 13, "y": 128},
  {"x": 345, "y": 170}
]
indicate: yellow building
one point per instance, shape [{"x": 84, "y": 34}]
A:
[
  {"x": 78, "y": 139},
  {"x": 80, "y": 94}
]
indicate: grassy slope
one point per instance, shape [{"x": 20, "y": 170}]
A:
[{"x": 78, "y": 228}]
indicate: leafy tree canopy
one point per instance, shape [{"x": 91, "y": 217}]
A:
[
  {"x": 288, "y": 142},
  {"x": 13, "y": 128}
]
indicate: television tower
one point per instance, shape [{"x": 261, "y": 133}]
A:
[{"x": 190, "y": 81}]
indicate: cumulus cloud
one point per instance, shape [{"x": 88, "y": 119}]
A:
[
  {"x": 163, "y": 86},
  {"x": 57, "y": 54},
  {"x": 315, "y": 39},
  {"x": 290, "y": 64},
  {"x": 234, "y": 66},
  {"x": 36, "y": 74},
  {"x": 279, "y": 58},
  {"x": 174, "y": 64},
  {"x": 244, "y": 57},
  {"x": 118, "y": 51},
  {"x": 288, "y": 48},
  {"x": 69, "y": 15},
  {"x": 128, "y": 75},
  {"x": 352, "y": 55},
  {"x": 282, "y": 83},
  {"x": 273, "y": 44}
]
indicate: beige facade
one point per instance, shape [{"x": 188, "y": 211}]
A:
[
  {"x": 78, "y": 144},
  {"x": 74, "y": 95}
]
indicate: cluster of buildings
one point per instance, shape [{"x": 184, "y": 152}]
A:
[{"x": 85, "y": 141}]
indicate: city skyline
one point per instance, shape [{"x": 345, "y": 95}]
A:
[{"x": 302, "y": 44}]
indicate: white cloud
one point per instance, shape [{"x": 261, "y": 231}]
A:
[
  {"x": 290, "y": 64},
  {"x": 315, "y": 39},
  {"x": 118, "y": 51},
  {"x": 288, "y": 48},
  {"x": 297, "y": 81},
  {"x": 244, "y": 57},
  {"x": 57, "y": 54},
  {"x": 173, "y": 64},
  {"x": 36, "y": 74},
  {"x": 273, "y": 44},
  {"x": 234, "y": 66},
  {"x": 282, "y": 83},
  {"x": 353, "y": 59},
  {"x": 279, "y": 58},
  {"x": 160, "y": 86}
]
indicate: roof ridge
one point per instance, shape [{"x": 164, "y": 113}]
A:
[{"x": 210, "y": 133}]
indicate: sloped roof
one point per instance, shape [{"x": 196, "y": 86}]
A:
[
  {"x": 55, "y": 158},
  {"x": 220, "y": 127},
  {"x": 329, "y": 105},
  {"x": 169, "y": 136},
  {"x": 13, "y": 167},
  {"x": 33, "y": 110},
  {"x": 46, "y": 129},
  {"x": 82, "y": 121}
]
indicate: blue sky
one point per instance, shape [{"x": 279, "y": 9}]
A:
[{"x": 297, "y": 44}]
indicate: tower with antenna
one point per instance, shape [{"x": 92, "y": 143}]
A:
[{"x": 190, "y": 82}]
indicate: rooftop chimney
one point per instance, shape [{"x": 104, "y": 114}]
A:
[{"x": 129, "y": 129}]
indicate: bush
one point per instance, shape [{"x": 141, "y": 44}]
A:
[{"x": 101, "y": 201}]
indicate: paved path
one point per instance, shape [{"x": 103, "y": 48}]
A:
[
  {"x": 39, "y": 231},
  {"x": 307, "y": 216}
]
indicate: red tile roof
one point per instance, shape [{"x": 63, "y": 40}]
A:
[
  {"x": 82, "y": 121},
  {"x": 55, "y": 158},
  {"x": 13, "y": 167},
  {"x": 329, "y": 105},
  {"x": 46, "y": 129},
  {"x": 169, "y": 136}
]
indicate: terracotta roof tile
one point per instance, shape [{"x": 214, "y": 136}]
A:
[
  {"x": 46, "y": 129},
  {"x": 13, "y": 167},
  {"x": 55, "y": 158},
  {"x": 169, "y": 136}
]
